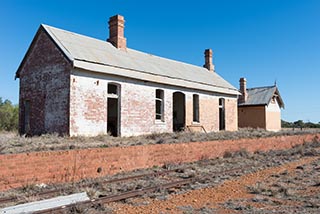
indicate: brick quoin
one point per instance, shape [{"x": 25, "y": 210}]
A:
[{"x": 18, "y": 170}]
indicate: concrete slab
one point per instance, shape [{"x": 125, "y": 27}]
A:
[{"x": 45, "y": 204}]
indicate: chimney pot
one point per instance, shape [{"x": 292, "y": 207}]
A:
[
  {"x": 116, "y": 32},
  {"x": 243, "y": 89},
  {"x": 208, "y": 60}
]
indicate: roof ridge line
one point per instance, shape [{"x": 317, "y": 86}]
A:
[{"x": 261, "y": 87}]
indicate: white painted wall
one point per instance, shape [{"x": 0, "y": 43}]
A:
[
  {"x": 273, "y": 116},
  {"x": 273, "y": 107},
  {"x": 137, "y": 105}
]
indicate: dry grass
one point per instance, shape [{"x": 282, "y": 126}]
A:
[{"x": 11, "y": 142}]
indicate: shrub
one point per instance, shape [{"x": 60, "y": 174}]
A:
[
  {"x": 241, "y": 153},
  {"x": 227, "y": 154},
  {"x": 9, "y": 115}
]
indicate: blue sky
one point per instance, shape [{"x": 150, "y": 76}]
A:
[{"x": 262, "y": 40}]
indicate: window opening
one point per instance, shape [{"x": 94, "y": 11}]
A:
[
  {"x": 112, "y": 89},
  {"x": 196, "y": 108},
  {"x": 159, "y": 105},
  {"x": 222, "y": 123}
]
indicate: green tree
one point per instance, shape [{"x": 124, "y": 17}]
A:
[
  {"x": 299, "y": 124},
  {"x": 9, "y": 115},
  {"x": 285, "y": 124}
]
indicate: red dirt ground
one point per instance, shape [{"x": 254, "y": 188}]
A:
[{"x": 215, "y": 198}]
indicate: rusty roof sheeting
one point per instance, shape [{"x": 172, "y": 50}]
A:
[{"x": 262, "y": 96}]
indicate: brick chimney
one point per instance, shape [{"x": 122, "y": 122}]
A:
[
  {"x": 116, "y": 32},
  {"x": 208, "y": 60},
  {"x": 243, "y": 89}
]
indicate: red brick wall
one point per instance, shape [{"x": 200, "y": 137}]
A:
[
  {"x": 45, "y": 82},
  {"x": 64, "y": 166}
]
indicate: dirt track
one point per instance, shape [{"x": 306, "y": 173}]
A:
[{"x": 234, "y": 195}]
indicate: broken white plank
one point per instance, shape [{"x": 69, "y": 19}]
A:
[{"x": 45, "y": 204}]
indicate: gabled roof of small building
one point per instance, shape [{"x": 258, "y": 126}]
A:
[
  {"x": 101, "y": 56},
  {"x": 262, "y": 96}
]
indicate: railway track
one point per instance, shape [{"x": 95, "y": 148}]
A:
[
  {"x": 59, "y": 190},
  {"x": 133, "y": 193},
  {"x": 138, "y": 192},
  {"x": 121, "y": 196}
]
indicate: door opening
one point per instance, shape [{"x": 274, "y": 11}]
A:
[
  {"x": 178, "y": 111},
  {"x": 113, "y": 112}
]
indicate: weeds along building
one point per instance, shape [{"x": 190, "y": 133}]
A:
[
  {"x": 76, "y": 85},
  {"x": 260, "y": 107}
]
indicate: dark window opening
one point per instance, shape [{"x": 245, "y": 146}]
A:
[
  {"x": 112, "y": 89},
  {"x": 159, "y": 105},
  {"x": 222, "y": 123},
  {"x": 196, "y": 108}
]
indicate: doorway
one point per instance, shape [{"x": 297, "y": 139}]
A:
[
  {"x": 222, "y": 122},
  {"x": 178, "y": 111},
  {"x": 113, "y": 104},
  {"x": 26, "y": 118}
]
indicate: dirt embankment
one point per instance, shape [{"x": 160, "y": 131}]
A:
[{"x": 284, "y": 181}]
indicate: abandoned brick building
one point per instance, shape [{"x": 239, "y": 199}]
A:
[
  {"x": 260, "y": 107},
  {"x": 76, "y": 85}
]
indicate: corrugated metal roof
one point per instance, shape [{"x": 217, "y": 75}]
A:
[
  {"x": 262, "y": 96},
  {"x": 97, "y": 55}
]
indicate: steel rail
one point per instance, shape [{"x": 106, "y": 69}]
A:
[
  {"x": 49, "y": 192},
  {"x": 139, "y": 192},
  {"x": 134, "y": 193},
  {"x": 121, "y": 196}
]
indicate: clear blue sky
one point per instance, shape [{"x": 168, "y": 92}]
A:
[{"x": 262, "y": 40}]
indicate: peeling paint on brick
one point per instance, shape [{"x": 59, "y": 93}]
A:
[
  {"x": 88, "y": 106},
  {"x": 75, "y": 102}
]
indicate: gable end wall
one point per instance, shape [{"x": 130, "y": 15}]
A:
[
  {"x": 45, "y": 82},
  {"x": 273, "y": 116}
]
